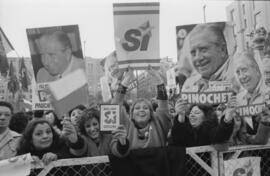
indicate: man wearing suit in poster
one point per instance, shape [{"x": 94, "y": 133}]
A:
[
  {"x": 209, "y": 56},
  {"x": 57, "y": 57}
]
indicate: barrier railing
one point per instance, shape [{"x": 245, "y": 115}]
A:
[
  {"x": 246, "y": 151},
  {"x": 200, "y": 161}
]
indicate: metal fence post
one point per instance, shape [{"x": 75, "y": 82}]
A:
[{"x": 215, "y": 163}]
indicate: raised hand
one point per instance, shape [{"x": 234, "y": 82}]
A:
[
  {"x": 49, "y": 157},
  {"x": 128, "y": 77},
  {"x": 69, "y": 131},
  {"x": 230, "y": 110},
  {"x": 120, "y": 134},
  {"x": 181, "y": 107},
  {"x": 156, "y": 76}
]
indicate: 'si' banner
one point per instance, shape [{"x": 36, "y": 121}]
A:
[{"x": 136, "y": 28}]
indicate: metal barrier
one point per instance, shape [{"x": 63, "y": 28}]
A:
[
  {"x": 200, "y": 161},
  {"x": 262, "y": 151}
]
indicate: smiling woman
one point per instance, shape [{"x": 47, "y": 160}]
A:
[
  {"x": 200, "y": 124},
  {"x": 40, "y": 139}
]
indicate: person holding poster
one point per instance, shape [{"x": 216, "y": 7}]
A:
[
  {"x": 8, "y": 139},
  {"x": 91, "y": 142},
  {"x": 198, "y": 125},
  {"x": 209, "y": 56},
  {"x": 112, "y": 70},
  {"x": 57, "y": 57},
  {"x": 145, "y": 128},
  {"x": 249, "y": 74}
]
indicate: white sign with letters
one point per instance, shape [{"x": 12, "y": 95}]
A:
[{"x": 137, "y": 34}]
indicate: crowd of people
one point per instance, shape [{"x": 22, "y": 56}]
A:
[{"x": 146, "y": 124}]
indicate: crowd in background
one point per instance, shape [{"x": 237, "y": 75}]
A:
[{"x": 156, "y": 123}]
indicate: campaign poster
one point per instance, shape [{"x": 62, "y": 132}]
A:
[
  {"x": 136, "y": 30},
  {"x": 109, "y": 117},
  {"x": 16, "y": 166},
  {"x": 40, "y": 96},
  {"x": 69, "y": 92},
  {"x": 243, "y": 166},
  {"x": 171, "y": 78},
  {"x": 105, "y": 89},
  {"x": 55, "y": 51}
]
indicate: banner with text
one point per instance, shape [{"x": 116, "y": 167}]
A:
[{"x": 136, "y": 27}]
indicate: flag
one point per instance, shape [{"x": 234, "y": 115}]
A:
[
  {"x": 13, "y": 83},
  {"x": 24, "y": 77},
  {"x": 5, "y": 42},
  {"x": 5, "y": 47}
]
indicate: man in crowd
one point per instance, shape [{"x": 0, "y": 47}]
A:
[
  {"x": 57, "y": 57},
  {"x": 209, "y": 56},
  {"x": 8, "y": 139}
]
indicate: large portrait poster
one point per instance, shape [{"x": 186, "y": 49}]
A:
[
  {"x": 243, "y": 166},
  {"x": 55, "y": 53},
  {"x": 209, "y": 54},
  {"x": 136, "y": 29}
]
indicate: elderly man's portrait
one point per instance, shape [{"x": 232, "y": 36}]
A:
[
  {"x": 208, "y": 55},
  {"x": 55, "y": 52},
  {"x": 248, "y": 72}
]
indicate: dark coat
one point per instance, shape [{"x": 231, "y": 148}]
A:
[{"x": 209, "y": 132}]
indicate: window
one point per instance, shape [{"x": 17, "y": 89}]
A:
[
  {"x": 245, "y": 23},
  {"x": 243, "y": 9},
  {"x": 257, "y": 19},
  {"x": 232, "y": 15},
  {"x": 253, "y": 4}
]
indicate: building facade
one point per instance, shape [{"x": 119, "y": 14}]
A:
[{"x": 246, "y": 16}]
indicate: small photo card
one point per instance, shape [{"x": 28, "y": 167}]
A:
[{"x": 109, "y": 117}]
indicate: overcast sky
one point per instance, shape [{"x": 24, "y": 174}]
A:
[{"x": 95, "y": 20}]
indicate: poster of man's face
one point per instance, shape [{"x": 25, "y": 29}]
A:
[
  {"x": 204, "y": 45},
  {"x": 55, "y": 51}
]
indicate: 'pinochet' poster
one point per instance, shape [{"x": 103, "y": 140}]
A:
[
  {"x": 215, "y": 71},
  {"x": 55, "y": 52}
]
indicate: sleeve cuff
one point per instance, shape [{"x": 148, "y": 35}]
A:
[
  {"x": 161, "y": 92},
  {"x": 122, "y": 149},
  {"x": 77, "y": 145}
]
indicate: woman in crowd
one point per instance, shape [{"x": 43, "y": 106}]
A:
[
  {"x": 40, "y": 139},
  {"x": 54, "y": 121},
  {"x": 75, "y": 114},
  {"x": 198, "y": 125},
  {"x": 145, "y": 128},
  {"x": 91, "y": 142},
  {"x": 248, "y": 72}
]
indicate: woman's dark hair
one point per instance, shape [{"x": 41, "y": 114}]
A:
[
  {"x": 26, "y": 144},
  {"x": 8, "y": 105},
  {"x": 57, "y": 122},
  {"x": 208, "y": 111},
  {"x": 87, "y": 115},
  {"x": 38, "y": 113},
  {"x": 19, "y": 121},
  {"x": 80, "y": 107},
  {"x": 126, "y": 105}
]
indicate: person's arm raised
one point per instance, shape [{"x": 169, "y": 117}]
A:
[{"x": 128, "y": 77}]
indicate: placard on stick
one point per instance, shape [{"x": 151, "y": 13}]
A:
[{"x": 109, "y": 117}]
